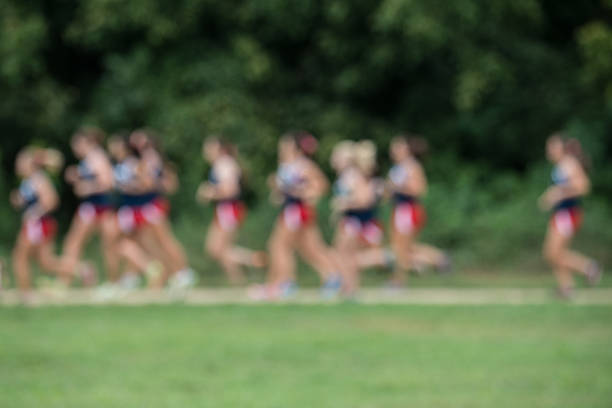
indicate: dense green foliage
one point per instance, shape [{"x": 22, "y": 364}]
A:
[
  {"x": 548, "y": 356},
  {"x": 485, "y": 82}
]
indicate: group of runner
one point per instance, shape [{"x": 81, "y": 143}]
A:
[
  {"x": 297, "y": 186},
  {"x": 121, "y": 193},
  {"x": 122, "y": 197}
]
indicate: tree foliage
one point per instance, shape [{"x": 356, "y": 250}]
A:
[{"x": 486, "y": 82}]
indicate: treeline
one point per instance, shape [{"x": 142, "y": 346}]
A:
[{"x": 485, "y": 82}]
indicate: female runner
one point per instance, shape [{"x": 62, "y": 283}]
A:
[
  {"x": 408, "y": 184},
  {"x": 92, "y": 182},
  {"x": 158, "y": 179},
  {"x": 223, "y": 190},
  {"x": 130, "y": 218},
  {"x": 570, "y": 184},
  {"x": 37, "y": 198},
  {"x": 301, "y": 184},
  {"x": 359, "y": 234}
]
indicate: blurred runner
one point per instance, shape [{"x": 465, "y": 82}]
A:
[
  {"x": 569, "y": 184},
  {"x": 92, "y": 183},
  {"x": 408, "y": 184},
  {"x": 299, "y": 183},
  {"x": 37, "y": 198},
  {"x": 359, "y": 234},
  {"x": 130, "y": 219},
  {"x": 160, "y": 179},
  {"x": 223, "y": 189}
]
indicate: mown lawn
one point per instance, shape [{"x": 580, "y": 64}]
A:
[{"x": 307, "y": 356}]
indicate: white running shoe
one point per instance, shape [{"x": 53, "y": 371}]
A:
[
  {"x": 154, "y": 272},
  {"x": 129, "y": 281},
  {"x": 108, "y": 291},
  {"x": 183, "y": 279}
]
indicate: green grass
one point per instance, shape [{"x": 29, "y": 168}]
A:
[{"x": 315, "y": 356}]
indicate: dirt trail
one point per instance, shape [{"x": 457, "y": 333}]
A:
[{"x": 216, "y": 296}]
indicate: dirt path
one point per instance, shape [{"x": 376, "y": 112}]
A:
[{"x": 433, "y": 296}]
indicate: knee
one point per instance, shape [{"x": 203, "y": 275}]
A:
[
  {"x": 403, "y": 258},
  {"x": 19, "y": 252},
  {"x": 213, "y": 252},
  {"x": 213, "y": 249},
  {"x": 45, "y": 262},
  {"x": 276, "y": 244},
  {"x": 550, "y": 254}
]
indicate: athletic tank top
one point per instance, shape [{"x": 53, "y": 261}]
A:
[
  {"x": 28, "y": 193},
  {"x": 85, "y": 172},
  {"x": 124, "y": 173},
  {"x": 398, "y": 176},
  {"x": 289, "y": 177},
  {"x": 342, "y": 187},
  {"x": 559, "y": 176}
]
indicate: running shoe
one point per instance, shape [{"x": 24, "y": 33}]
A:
[
  {"x": 258, "y": 293},
  {"x": 564, "y": 293},
  {"x": 129, "y": 281},
  {"x": 446, "y": 266},
  {"x": 87, "y": 273},
  {"x": 594, "y": 274},
  {"x": 282, "y": 291},
  {"x": 183, "y": 279},
  {"x": 153, "y": 272},
  {"x": 332, "y": 286},
  {"x": 108, "y": 291},
  {"x": 287, "y": 289}
]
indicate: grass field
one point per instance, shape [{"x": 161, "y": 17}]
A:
[{"x": 552, "y": 355}]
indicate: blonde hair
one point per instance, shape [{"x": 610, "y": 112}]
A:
[
  {"x": 343, "y": 149},
  {"x": 364, "y": 155},
  {"x": 48, "y": 159}
]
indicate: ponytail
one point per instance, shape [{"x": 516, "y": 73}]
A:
[
  {"x": 305, "y": 142},
  {"x": 92, "y": 134},
  {"x": 364, "y": 154},
  {"x": 225, "y": 146},
  {"x": 48, "y": 159},
  {"x": 122, "y": 137},
  {"x": 573, "y": 147},
  {"x": 417, "y": 144}
]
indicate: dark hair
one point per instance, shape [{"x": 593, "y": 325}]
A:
[
  {"x": 226, "y": 146},
  {"x": 123, "y": 136},
  {"x": 90, "y": 133},
  {"x": 417, "y": 144},
  {"x": 305, "y": 141},
  {"x": 151, "y": 136},
  {"x": 573, "y": 147}
]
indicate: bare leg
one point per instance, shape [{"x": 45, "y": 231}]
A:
[
  {"x": 575, "y": 261},
  {"x": 423, "y": 254},
  {"x": 169, "y": 244},
  {"x": 554, "y": 248},
  {"x": 401, "y": 245},
  {"x": 146, "y": 239},
  {"x": 282, "y": 262},
  {"x": 345, "y": 247},
  {"x": 218, "y": 245},
  {"x": 78, "y": 234},
  {"x": 52, "y": 263},
  {"x": 110, "y": 234},
  {"x": 133, "y": 253},
  {"x": 314, "y": 251},
  {"x": 374, "y": 256},
  {"x": 247, "y": 257},
  {"x": 21, "y": 263}
]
